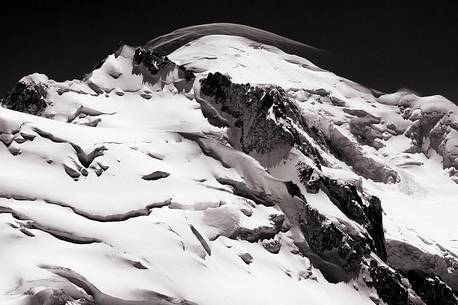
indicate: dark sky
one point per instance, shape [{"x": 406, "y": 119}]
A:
[{"x": 386, "y": 46}]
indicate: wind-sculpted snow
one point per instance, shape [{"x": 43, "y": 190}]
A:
[
  {"x": 227, "y": 172},
  {"x": 170, "y": 42}
]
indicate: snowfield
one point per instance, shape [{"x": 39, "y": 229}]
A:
[{"x": 169, "y": 181}]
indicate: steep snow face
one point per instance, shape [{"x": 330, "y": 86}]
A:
[{"x": 193, "y": 187}]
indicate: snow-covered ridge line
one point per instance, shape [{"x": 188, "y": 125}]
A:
[{"x": 176, "y": 39}]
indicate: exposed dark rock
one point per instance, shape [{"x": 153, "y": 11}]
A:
[
  {"x": 331, "y": 243},
  {"x": 406, "y": 257},
  {"x": 367, "y": 213},
  {"x": 294, "y": 190},
  {"x": 389, "y": 286},
  {"x": 246, "y": 107},
  {"x": 156, "y": 175},
  {"x": 27, "y": 98},
  {"x": 201, "y": 239},
  {"x": 156, "y": 68},
  {"x": 246, "y": 257},
  {"x": 278, "y": 219},
  {"x": 86, "y": 159},
  {"x": 374, "y": 214},
  {"x": 341, "y": 254},
  {"x": 264, "y": 123},
  {"x": 431, "y": 289},
  {"x": 151, "y": 60},
  {"x": 27, "y": 232},
  {"x": 73, "y": 173},
  {"x": 309, "y": 177},
  {"x": 260, "y": 118},
  {"x": 188, "y": 74}
]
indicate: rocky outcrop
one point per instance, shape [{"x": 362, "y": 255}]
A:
[
  {"x": 367, "y": 213},
  {"x": 155, "y": 175},
  {"x": 246, "y": 257},
  {"x": 431, "y": 289},
  {"x": 406, "y": 257},
  {"x": 332, "y": 244},
  {"x": 151, "y": 60},
  {"x": 309, "y": 177},
  {"x": 246, "y": 108},
  {"x": 342, "y": 254},
  {"x": 201, "y": 239},
  {"x": 261, "y": 119},
  {"x": 348, "y": 197},
  {"x": 374, "y": 226},
  {"x": 266, "y": 124},
  {"x": 26, "y": 97},
  {"x": 157, "y": 68},
  {"x": 390, "y": 286}
]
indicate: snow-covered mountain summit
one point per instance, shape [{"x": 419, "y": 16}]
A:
[{"x": 227, "y": 172}]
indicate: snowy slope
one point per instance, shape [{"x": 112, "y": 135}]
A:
[{"x": 165, "y": 180}]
